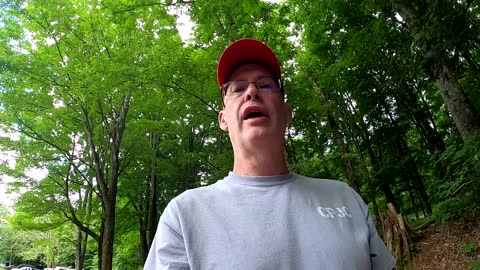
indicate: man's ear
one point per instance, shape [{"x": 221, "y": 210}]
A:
[{"x": 221, "y": 121}]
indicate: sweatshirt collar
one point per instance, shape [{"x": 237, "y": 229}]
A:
[{"x": 248, "y": 180}]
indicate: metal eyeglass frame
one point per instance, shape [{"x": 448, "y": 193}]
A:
[{"x": 279, "y": 82}]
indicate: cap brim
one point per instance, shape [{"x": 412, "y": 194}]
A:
[{"x": 245, "y": 51}]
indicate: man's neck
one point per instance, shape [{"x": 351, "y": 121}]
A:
[{"x": 260, "y": 162}]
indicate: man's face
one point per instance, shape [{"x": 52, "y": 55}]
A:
[{"x": 253, "y": 115}]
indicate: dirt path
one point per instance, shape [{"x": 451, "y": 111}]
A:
[{"x": 441, "y": 248}]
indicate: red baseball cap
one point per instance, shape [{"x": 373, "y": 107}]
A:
[{"x": 245, "y": 51}]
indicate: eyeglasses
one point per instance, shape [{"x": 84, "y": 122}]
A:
[{"x": 237, "y": 88}]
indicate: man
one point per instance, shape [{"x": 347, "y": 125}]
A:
[{"x": 261, "y": 216}]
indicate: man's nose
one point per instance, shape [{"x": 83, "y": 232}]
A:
[{"x": 252, "y": 92}]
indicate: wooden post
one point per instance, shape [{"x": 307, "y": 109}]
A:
[{"x": 396, "y": 237}]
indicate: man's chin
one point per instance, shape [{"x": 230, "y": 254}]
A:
[{"x": 257, "y": 135}]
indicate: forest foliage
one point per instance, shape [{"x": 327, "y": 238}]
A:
[{"x": 120, "y": 109}]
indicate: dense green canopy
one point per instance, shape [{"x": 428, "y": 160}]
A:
[{"x": 121, "y": 111}]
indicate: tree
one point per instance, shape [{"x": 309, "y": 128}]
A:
[
  {"x": 123, "y": 115},
  {"x": 65, "y": 66},
  {"x": 426, "y": 23}
]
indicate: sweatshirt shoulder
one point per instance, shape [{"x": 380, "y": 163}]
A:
[
  {"x": 196, "y": 194},
  {"x": 187, "y": 202},
  {"x": 323, "y": 184}
]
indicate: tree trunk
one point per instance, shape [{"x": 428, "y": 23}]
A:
[
  {"x": 412, "y": 173},
  {"x": 420, "y": 187},
  {"x": 414, "y": 204},
  {"x": 153, "y": 196},
  {"x": 389, "y": 194},
  {"x": 107, "y": 181},
  {"x": 107, "y": 236},
  {"x": 82, "y": 236},
  {"x": 290, "y": 148},
  {"x": 466, "y": 119},
  {"x": 144, "y": 245},
  {"x": 385, "y": 186},
  {"x": 100, "y": 244},
  {"x": 142, "y": 218},
  {"x": 354, "y": 135},
  {"x": 371, "y": 188},
  {"x": 463, "y": 113},
  {"x": 152, "y": 207},
  {"x": 81, "y": 249},
  {"x": 321, "y": 154},
  {"x": 347, "y": 163},
  {"x": 433, "y": 140}
]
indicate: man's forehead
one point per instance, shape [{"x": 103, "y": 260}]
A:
[{"x": 249, "y": 69}]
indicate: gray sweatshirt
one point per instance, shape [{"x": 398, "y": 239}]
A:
[{"x": 268, "y": 222}]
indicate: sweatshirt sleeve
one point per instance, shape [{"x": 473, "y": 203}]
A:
[
  {"x": 168, "y": 248},
  {"x": 380, "y": 257}
]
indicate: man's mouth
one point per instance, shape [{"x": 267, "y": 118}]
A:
[
  {"x": 253, "y": 115},
  {"x": 253, "y": 112}
]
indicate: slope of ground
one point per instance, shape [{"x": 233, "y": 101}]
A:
[{"x": 445, "y": 246}]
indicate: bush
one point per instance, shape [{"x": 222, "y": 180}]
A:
[
  {"x": 455, "y": 208},
  {"x": 469, "y": 248},
  {"x": 475, "y": 265},
  {"x": 461, "y": 176}
]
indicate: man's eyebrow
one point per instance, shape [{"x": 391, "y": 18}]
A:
[{"x": 256, "y": 78}]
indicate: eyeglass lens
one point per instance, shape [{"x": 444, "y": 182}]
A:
[{"x": 239, "y": 87}]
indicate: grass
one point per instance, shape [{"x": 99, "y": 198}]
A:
[{"x": 469, "y": 248}]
